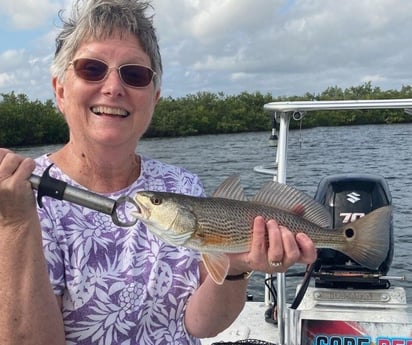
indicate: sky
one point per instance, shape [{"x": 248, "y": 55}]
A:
[{"x": 282, "y": 47}]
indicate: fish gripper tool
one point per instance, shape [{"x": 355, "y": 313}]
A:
[{"x": 60, "y": 190}]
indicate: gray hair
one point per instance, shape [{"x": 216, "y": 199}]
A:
[{"x": 100, "y": 19}]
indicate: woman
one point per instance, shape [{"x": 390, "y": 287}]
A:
[{"x": 112, "y": 285}]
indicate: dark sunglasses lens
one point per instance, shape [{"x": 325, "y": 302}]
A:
[
  {"x": 89, "y": 69},
  {"x": 136, "y": 76}
]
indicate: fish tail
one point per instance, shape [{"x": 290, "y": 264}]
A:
[{"x": 368, "y": 238}]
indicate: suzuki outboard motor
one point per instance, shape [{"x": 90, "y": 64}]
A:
[{"x": 349, "y": 197}]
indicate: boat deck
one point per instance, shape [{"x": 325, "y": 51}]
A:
[{"x": 250, "y": 324}]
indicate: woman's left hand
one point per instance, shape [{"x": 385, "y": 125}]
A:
[{"x": 274, "y": 249}]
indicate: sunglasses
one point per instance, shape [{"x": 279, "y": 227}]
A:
[{"x": 95, "y": 71}]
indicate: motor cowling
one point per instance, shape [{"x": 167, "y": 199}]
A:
[{"x": 349, "y": 197}]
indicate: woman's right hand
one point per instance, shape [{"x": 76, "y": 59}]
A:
[{"x": 17, "y": 204}]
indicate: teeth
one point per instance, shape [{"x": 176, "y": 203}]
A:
[{"x": 99, "y": 110}]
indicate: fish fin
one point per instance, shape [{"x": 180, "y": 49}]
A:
[
  {"x": 292, "y": 200},
  {"x": 217, "y": 265},
  {"x": 299, "y": 210},
  {"x": 369, "y": 240},
  {"x": 230, "y": 189}
]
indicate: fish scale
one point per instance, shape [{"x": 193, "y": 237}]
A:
[
  {"x": 230, "y": 222},
  {"x": 218, "y": 225}
]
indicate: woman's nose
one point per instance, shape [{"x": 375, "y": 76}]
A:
[{"x": 113, "y": 83}]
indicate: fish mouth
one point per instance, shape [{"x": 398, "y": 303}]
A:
[{"x": 143, "y": 212}]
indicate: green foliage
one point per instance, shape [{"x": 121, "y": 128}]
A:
[
  {"x": 24, "y": 122},
  {"x": 209, "y": 113}
]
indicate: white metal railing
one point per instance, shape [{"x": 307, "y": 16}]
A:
[{"x": 284, "y": 112}]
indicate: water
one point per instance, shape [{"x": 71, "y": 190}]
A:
[{"x": 313, "y": 154}]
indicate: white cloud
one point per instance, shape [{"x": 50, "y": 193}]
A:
[
  {"x": 22, "y": 72},
  {"x": 29, "y": 14},
  {"x": 215, "y": 18},
  {"x": 288, "y": 47},
  {"x": 5, "y": 78},
  {"x": 11, "y": 56},
  {"x": 373, "y": 78}
]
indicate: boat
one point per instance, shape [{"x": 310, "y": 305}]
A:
[{"x": 348, "y": 304}]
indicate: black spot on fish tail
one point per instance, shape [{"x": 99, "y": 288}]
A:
[
  {"x": 368, "y": 238},
  {"x": 349, "y": 233}
]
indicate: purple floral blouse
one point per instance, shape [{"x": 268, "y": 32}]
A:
[{"x": 120, "y": 285}]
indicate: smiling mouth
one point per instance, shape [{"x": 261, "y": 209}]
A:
[{"x": 109, "y": 111}]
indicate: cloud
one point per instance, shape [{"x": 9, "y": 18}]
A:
[
  {"x": 5, "y": 79},
  {"x": 214, "y": 19},
  {"x": 26, "y": 14},
  {"x": 286, "y": 47},
  {"x": 23, "y": 73}
]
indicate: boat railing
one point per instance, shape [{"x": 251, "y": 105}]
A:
[{"x": 284, "y": 112}]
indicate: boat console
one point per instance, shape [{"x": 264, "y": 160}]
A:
[{"x": 351, "y": 304}]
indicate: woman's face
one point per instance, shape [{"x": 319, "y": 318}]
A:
[{"x": 109, "y": 112}]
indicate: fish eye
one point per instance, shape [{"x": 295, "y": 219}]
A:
[{"x": 156, "y": 200}]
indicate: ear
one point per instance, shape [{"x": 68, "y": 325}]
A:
[
  {"x": 58, "y": 93},
  {"x": 157, "y": 96}
]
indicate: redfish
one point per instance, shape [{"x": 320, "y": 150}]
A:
[{"x": 223, "y": 223}]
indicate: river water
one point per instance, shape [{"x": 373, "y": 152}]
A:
[{"x": 313, "y": 154}]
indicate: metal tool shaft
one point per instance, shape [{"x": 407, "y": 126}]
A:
[
  {"x": 60, "y": 190},
  {"x": 80, "y": 197}
]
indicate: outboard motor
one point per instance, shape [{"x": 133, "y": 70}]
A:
[{"x": 349, "y": 197}]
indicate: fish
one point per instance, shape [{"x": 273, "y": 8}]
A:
[{"x": 222, "y": 223}]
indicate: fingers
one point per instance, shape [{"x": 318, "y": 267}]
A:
[
  {"x": 269, "y": 248},
  {"x": 283, "y": 250},
  {"x": 6, "y": 169},
  {"x": 274, "y": 248},
  {"x": 12, "y": 164},
  {"x": 307, "y": 248},
  {"x": 16, "y": 195}
]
